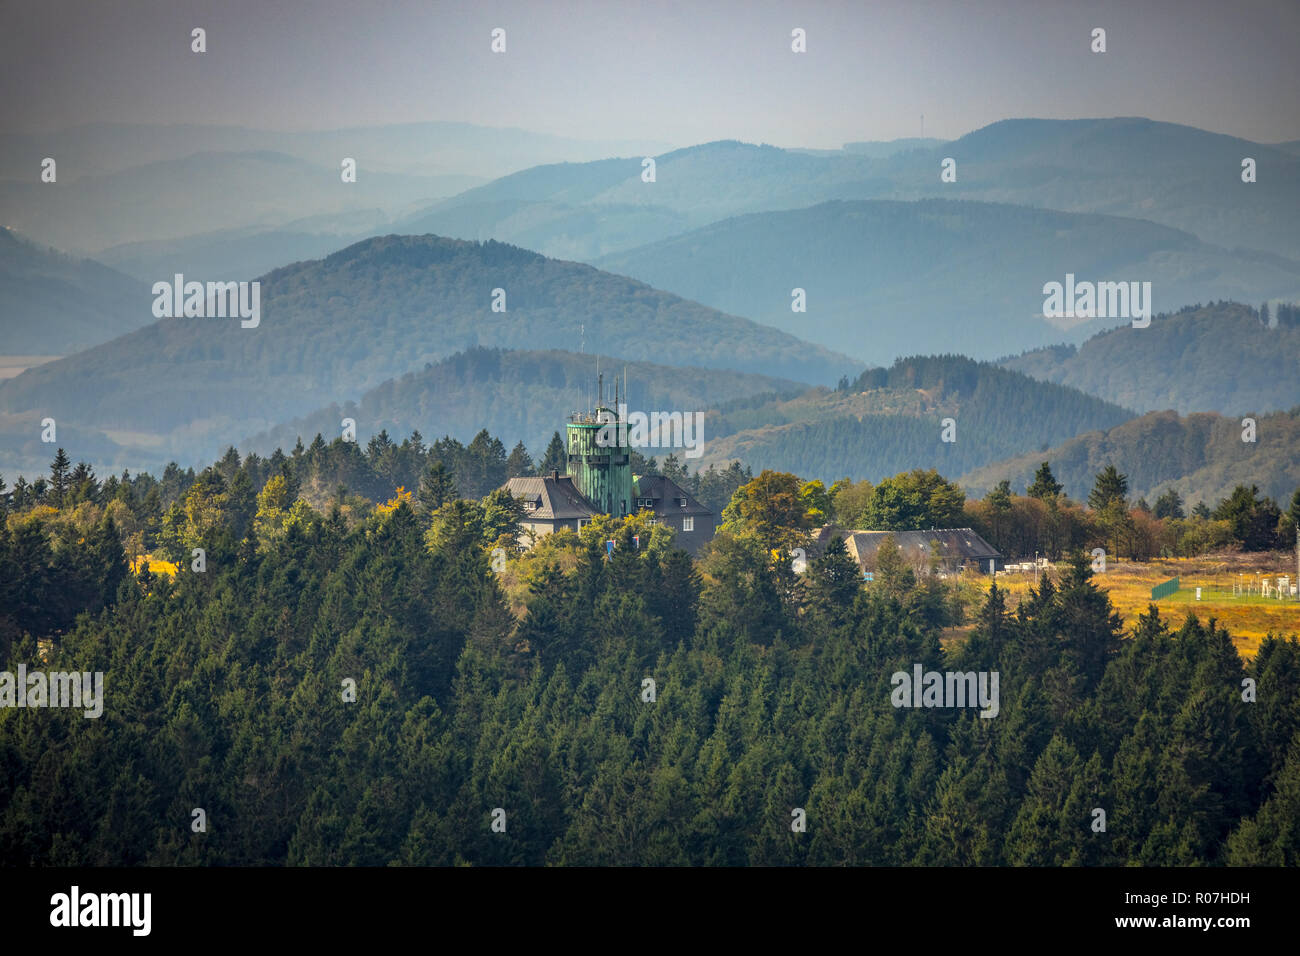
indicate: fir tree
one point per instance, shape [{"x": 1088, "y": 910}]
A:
[{"x": 1044, "y": 485}]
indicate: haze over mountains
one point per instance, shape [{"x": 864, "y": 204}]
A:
[
  {"x": 1174, "y": 175},
  {"x": 885, "y": 278},
  {"x": 159, "y": 201},
  {"x": 235, "y": 193},
  {"x": 334, "y": 328},
  {"x": 365, "y": 284},
  {"x": 52, "y": 303}
]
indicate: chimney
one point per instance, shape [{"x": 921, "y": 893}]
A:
[{"x": 555, "y": 475}]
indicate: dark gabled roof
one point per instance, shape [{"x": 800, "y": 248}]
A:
[
  {"x": 556, "y": 498},
  {"x": 663, "y": 492},
  {"x": 957, "y": 544}
]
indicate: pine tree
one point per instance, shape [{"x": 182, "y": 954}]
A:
[
  {"x": 555, "y": 458},
  {"x": 1045, "y": 484},
  {"x": 832, "y": 583},
  {"x": 59, "y": 469},
  {"x": 1111, "y": 488},
  {"x": 437, "y": 487},
  {"x": 1170, "y": 505},
  {"x": 520, "y": 463}
]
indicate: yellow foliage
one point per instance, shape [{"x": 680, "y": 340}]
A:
[
  {"x": 392, "y": 504},
  {"x": 156, "y": 565}
]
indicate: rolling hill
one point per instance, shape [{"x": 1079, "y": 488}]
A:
[
  {"x": 1176, "y": 175},
  {"x": 891, "y": 420},
  {"x": 517, "y": 396},
  {"x": 52, "y": 304},
  {"x": 1202, "y": 456},
  {"x": 1217, "y": 358},
  {"x": 885, "y": 279},
  {"x": 334, "y": 328}
]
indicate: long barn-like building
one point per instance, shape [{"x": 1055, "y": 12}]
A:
[{"x": 954, "y": 548}]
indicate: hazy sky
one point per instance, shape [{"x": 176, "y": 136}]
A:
[{"x": 677, "y": 72}]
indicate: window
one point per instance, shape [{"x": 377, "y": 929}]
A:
[
  {"x": 681, "y": 502},
  {"x": 688, "y": 524},
  {"x": 652, "y": 521}
]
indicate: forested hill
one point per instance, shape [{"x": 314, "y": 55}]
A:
[
  {"x": 885, "y": 279},
  {"x": 334, "y": 328},
  {"x": 338, "y": 691},
  {"x": 1202, "y": 456},
  {"x": 891, "y": 420},
  {"x": 518, "y": 396},
  {"x": 1220, "y": 357},
  {"x": 52, "y": 304}
]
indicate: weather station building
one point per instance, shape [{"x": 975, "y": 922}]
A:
[{"x": 599, "y": 481}]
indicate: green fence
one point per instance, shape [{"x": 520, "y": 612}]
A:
[{"x": 1164, "y": 589}]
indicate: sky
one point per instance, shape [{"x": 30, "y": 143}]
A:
[{"x": 674, "y": 72}]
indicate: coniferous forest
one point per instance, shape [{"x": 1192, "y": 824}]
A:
[{"x": 360, "y": 685}]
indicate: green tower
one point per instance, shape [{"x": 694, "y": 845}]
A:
[{"x": 599, "y": 460}]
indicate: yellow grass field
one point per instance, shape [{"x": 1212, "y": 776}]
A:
[{"x": 1248, "y": 618}]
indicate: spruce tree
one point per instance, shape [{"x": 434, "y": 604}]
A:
[
  {"x": 59, "y": 470},
  {"x": 437, "y": 487},
  {"x": 1045, "y": 484},
  {"x": 555, "y": 458},
  {"x": 520, "y": 463}
]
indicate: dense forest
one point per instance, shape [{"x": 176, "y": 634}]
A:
[
  {"x": 1222, "y": 357},
  {"x": 887, "y": 420},
  {"x": 1204, "y": 455},
  {"x": 358, "y": 685}
]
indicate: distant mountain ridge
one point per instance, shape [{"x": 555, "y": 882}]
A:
[
  {"x": 53, "y": 304},
  {"x": 884, "y": 278},
  {"x": 1177, "y": 176},
  {"x": 176, "y": 198},
  {"x": 332, "y": 329},
  {"x": 1217, "y": 358}
]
